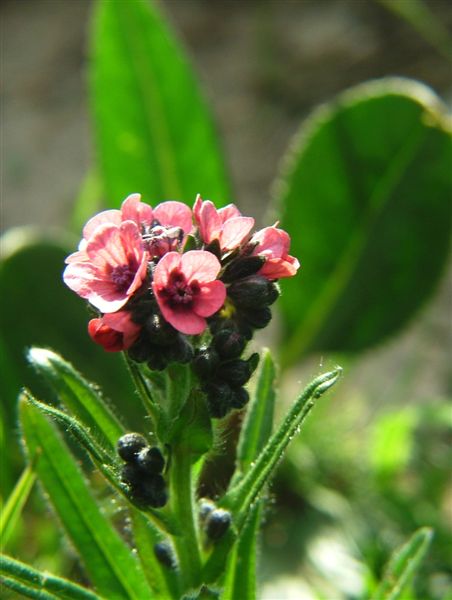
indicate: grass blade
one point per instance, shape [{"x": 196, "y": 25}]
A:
[{"x": 403, "y": 565}]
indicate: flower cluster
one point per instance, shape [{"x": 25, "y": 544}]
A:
[{"x": 171, "y": 284}]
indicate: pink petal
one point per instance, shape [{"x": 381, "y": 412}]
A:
[
  {"x": 106, "y": 217},
  {"x": 165, "y": 266},
  {"x": 277, "y": 268},
  {"x": 209, "y": 222},
  {"x": 210, "y": 299},
  {"x": 79, "y": 276},
  {"x": 271, "y": 241},
  {"x": 184, "y": 321},
  {"x": 133, "y": 209},
  {"x": 200, "y": 265},
  {"x": 121, "y": 321},
  {"x": 175, "y": 214},
  {"x": 235, "y": 231},
  {"x": 229, "y": 212},
  {"x": 105, "y": 247},
  {"x": 197, "y": 207}
]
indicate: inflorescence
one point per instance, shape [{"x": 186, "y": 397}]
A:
[{"x": 174, "y": 285}]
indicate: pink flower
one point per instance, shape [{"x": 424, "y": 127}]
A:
[
  {"x": 114, "y": 268},
  {"x": 167, "y": 223},
  {"x": 273, "y": 244},
  {"x": 225, "y": 225},
  {"x": 114, "y": 331},
  {"x": 186, "y": 289}
]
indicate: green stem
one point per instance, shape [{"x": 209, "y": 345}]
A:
[
  {"x": 148, "y": 401},
  {"x": 183, "y": 505}
]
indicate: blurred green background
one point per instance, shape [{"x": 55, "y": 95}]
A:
[{"x": 373, "y": 463}]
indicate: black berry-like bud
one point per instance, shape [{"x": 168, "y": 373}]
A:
[
  {"x": 253, "y": 292},
  {"x": 165, "y": 555},
  {"x": 253, "y": 361},
  {"x": 140, "y": 350},
  {"x": 157, "y": 360},
  {"x": 180, "y": 351},
  {"x": 205, "y": 508},
  {"x": 131, "y": 474},
  {"x": 257, "y": 318},
  {"x": 240, "y": 397},
  {"x": 159, "y": 331},
  {"x": 218, "y": 399},
  {"x": 217, "y": 524},
  {"x": 229, "y": 343},
  {"x": 150, "y": 460},
  {"x": 205, "y": 363},
  {"x": 151, "y": 491},
  {"x": 242, "y": 267},
  {"x": 129, "y": 445},
  {"x": 235, "y": 372}
]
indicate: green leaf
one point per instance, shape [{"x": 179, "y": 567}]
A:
[
  {"x": 78, "y": 395},
  {"x": 258, "y": 422},
  {"x": 11, "y": 511},
  {"x": 37, "y": 309},
  {"x": 240, "y": 580},
  {"x": 108, "y": 561},
  {"x": 34, "y": 584},
  {"x": 88, "y": 201},
  {"x": 239, "y": 498},
  {"x": 152, "y": 130},
  {"x": 367, "y": 183},
  {"x": 403, "y": 565}
]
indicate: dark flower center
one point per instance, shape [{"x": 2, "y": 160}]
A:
[
  {"x": 122, "y": 276},
  {"x": 179, "y": 294}
]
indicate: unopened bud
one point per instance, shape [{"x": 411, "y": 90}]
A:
[
  {"x": 258, "y": 318},
  {"x": 151, "y": 460},
  {"x": 253, "y": 292},
  {"x": 235, "y": 372},
  {"x": 129, "y": 445},
  {"x": 229, "y": 343},
  {"x": 242, "y": 267},
  {"x": 205, "y": 363},
  {"x": 218, "y": 399},
  {"x": 217, "y": 524},
  {"x": 240, "y": 397},
  {"x": 165, "y": 555}
]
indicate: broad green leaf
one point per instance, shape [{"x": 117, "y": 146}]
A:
[
  {"x": 152, "y": 129},
  {"x": 365, "y": 196},
  {"x": 36, "y": 308},
  {"x": 82, "y": 398},
  {"x": 240, "y": 497},
  {"x": 403, "y": 565},
  {"x": 240, "y": 579},
  {"x": 34, "y": 584},
  {"x": 114, "y": 571},
  {"x": 258, "y": 422},
  {"x": 11, "y": 511}
]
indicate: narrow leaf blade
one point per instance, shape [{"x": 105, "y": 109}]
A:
[
  {"x": 38, "y": 584},
  {"x": 152, "y": 128},
  {"x": 258, "y": 423},
  {"x": 403, "y": 565},
  {"x": 78, "y": 395},
  {"x": 112, "y": 568}
]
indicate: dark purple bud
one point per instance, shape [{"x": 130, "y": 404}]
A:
[
  {"x": 131, "y": 474},
  {"x": 217, "y": 523},
  {"x": 240, "y": 397},
  {"x": 229, "y": 343},
  {"x": 257, "y": 318},
  {"x": 180, "y": 351},
  {"x": 235, "y": 372},
  {"x": 253, "y": 292},
  {"x": 150, "y": 460},
  {"x": 218, "y": 399},
  {"x": 205, "y": 508},
  {"x": 129, "y": 445},
  {"x": 157, "y": 361},
  {"x": 242, "y": 267},
  {"x": 205, "y": 363},
  {"x": 165, "y": 555},
  {"x": 151, "y": 491}
]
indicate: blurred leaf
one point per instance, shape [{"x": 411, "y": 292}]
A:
[
  {"x": 109, "y": 562},
  {"x": 420, "y": 16},
  {"x": 88, "y": 201},
  {"x": 365, "y": 196},
  {"x": 152, "y": 130},
  {"x": 403, "y": 565},
  {"x": 240, "y": 578},
  {"x": 240, "y": 497},
  {"x": 258, "y": 423},
  {"x": 82, "y": 398},
  {"x": 11, "y": 511},
  {"x": 34, "y": 584},
  {"x": 392, "y": 443}
]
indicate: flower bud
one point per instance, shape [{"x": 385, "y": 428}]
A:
[
  {"x": 217, "y": 524},
  {"x": 131, "y": 474},
  {"x": 151, "y": 491},
  {"x": 150, "y": 460},
  {"x": 159, "y": 331},
  {"x": 180, "y": 351},
  {"x": 129, "y": 445},
  {"x": 240, "y": 397},
  {"x": 206, "y": 506},
  {"x": 140, "y": 350},
  {"x": 257, "y": 318},
  {"x": 218, "y": 399},
  {"x": 205, "y": 363},
  {"x": 229, "y": 343},
  {"x": 157, "y": 361},
  {"x": 165, "y": 555},
  {"x": 235, "y": 372},
  {"x": 242, "y": 267},
  {"x": 253, "y": 292}
]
